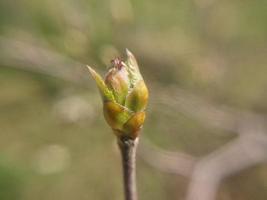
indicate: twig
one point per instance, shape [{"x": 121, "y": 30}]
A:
[
  {"x": 128, "y": 152},
  {"x": 41, "y": 59},
  {"x": 244, "y": 152},
  {"x": 210, "y": 115},
  {"x": 167, "y": 161}
]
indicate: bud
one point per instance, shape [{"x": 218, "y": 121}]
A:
[
  {"x": 124, "y": 94},
  {"x": 117, "y": 81}
]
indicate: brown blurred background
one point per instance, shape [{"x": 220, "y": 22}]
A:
[{"x": 204, "y": 62}]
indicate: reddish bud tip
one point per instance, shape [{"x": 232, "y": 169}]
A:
[{"x": 117, "y": 63}]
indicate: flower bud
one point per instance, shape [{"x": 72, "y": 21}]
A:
[
  {"x": 125, "y": 95},
  {"x": 117, "y": 81}
]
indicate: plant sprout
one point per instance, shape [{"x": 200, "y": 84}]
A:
[{"x": 124, "y": 95}]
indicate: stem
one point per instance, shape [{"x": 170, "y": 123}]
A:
[{"x": 128, "y": 148}]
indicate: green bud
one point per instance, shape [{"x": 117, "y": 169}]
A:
[
  {"x": 116, "y": 115},
  {"x": 117, "y": 80},
  {"x": 125, "y": 95},
  {"x": 134, "y": 124},
  {"x": 137, "y": 98}
]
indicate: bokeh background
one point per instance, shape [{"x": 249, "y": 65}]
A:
[{"x": 205, "y": 64}]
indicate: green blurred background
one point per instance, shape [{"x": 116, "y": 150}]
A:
[{"x": 54, "y": 143}]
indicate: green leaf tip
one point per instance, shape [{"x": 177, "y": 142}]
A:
[
  {"x": 133, "y": 68},
  {"x": 106, "y": 94}
]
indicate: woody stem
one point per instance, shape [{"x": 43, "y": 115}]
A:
[{"x": 128, "y": 148}]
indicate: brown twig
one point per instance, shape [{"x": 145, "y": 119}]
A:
[
  {"x": 171, "y": 162},
  {"x": 128, "y": 152}
]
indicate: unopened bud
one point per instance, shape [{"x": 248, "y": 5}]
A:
[
  {"x": 125, "y": 95},
  {"x": 117, "y": 80}
]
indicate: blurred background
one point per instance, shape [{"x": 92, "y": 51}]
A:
[{"x": 204, "y": 62}]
